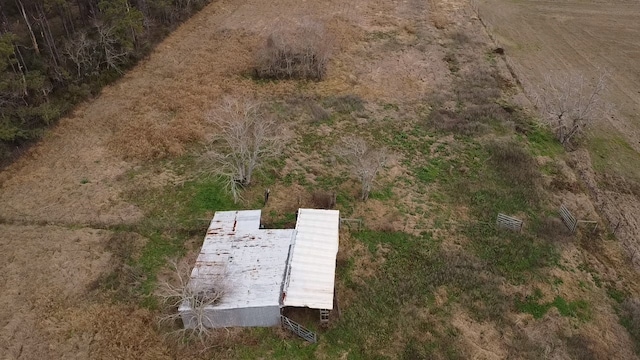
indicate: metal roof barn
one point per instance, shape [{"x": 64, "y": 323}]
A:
[
  {"x": 312, "y": 263},
  {"x": 263, "y": 270},
  {"x": 250, "y": 262}
]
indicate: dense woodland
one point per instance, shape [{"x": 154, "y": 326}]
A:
[{"x": 54, "y": 53}]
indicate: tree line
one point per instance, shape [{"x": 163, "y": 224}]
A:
[{"x": 54, "y": 53}]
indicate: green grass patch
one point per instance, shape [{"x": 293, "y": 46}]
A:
[
  {"x": 345, "y": 202},
  {"x": 173, "y": 214},
  {"x": 183, "y": 206},
  {"x": 311, "y": 141},
  {"x": 516, "y": 256},
  {"x": 530, "y": 305},
  {"x": 415, "y": 142},
  {"x": 611, "y": 153},
  {"x": 272, "y": 346},
  {"x": 488, "y": 202},
  {"x": 385, "y": 193},
  {"x": 615, "y": 294},
  {"x": 397, "y": 240},
  {"x": 382, "y": 316},
  {"x": 435, "y": 170},
  {"x": 492, "y": 178},
  {"x": 281, "y": 221},
  {"x": 629, "y": 316},
  {"x": 331, "y": 181},
  {"x": 543, "y": 142},
  {"x": 295, "y": 177},
  {"x": 346, "y": 104}
]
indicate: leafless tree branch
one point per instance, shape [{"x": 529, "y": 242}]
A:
[
  {"x": 112, "y": 56},
  {"x": 81, "y": 50},
  {"x": 365, "y": 162},
  {"x": 572, "y": 103},
  {"x": 246, "y": 138},
  {"x": 198, "y": 298}
]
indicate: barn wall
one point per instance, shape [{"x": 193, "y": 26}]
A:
[{"x": 265, "y": 316}]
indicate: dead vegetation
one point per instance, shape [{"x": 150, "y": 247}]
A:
[
  {"x": 364, "y": 161},
  {"x": 630, "y": 316},
  {"x": 318, "y": 113},
  {"x": 153, "y": 139},
  {"x": 324, "y": 199},
  {"x": 473, "y": 106},
  {"x": 178, "y": 292},
  {"x": 124, "y": 281},
  {"x": 572, "y": 103},
  {"x": 246, "y": 138},
  {"x": 299, "y": 53},
  {"x": 514, "y": 162}
]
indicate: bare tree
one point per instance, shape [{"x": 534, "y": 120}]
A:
[
  {"x": 365, "y": 162},
  {"x": 572, "y": 103},
  {"x": 113, "y": 56},
  {"x": 246, "y": 138},
  {"x": 198, "y": 298},
  {"x": 81, "y": 51}
]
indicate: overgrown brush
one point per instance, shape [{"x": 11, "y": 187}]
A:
[
  {"x": 300, "y": 53},
  {"x": 514, "y": 162},
  {"x": 324, "y": 199},
  {"x": 476, "y": 93},
  {"x": 630, "y": 319},
  {"x": 196, "y": 298}
]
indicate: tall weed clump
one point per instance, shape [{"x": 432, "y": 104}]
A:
[{"x": 300, "y": 52}]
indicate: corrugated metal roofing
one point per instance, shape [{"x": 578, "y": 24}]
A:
[
  {"x": 312, "y": 263},
  {"x": 251, "y": 262}
]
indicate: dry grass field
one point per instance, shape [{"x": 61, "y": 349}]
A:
[{"x": 90, "y": 214}]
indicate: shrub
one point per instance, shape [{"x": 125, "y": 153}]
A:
[
  {"x": 318, "y": 113},
  {"x": 453, "y": 122},
  {"x": 630, "y": 318},
  {"x": 514, "y": 162},
  {"x": 324, "y": 199},
  {"x": 476, "y": 95},
  {"x": 299, "y": 54}
]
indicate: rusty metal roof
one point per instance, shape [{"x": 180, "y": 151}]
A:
[
  {"x": 249, "y": 261},
  {"x": 269, "y": 267}
]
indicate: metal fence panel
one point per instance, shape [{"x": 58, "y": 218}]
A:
[
  {"x": 298, "y": 329},
  {"x": 508, "y": 222},
  {"x": 568, "y": 218}
]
